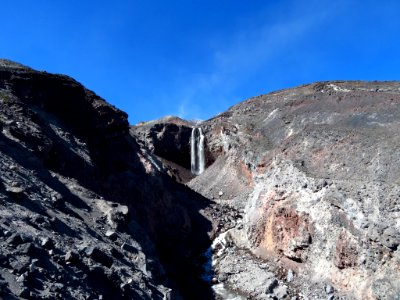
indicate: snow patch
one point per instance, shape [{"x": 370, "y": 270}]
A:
[{"x": 337, "y": 88}]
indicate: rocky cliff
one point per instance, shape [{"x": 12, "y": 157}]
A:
[
  {"x": 312, "y": 176},
  {"x": 85, "y": 211},
  {"x": 300, "y": 198}
]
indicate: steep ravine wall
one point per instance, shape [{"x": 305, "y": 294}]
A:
[
  {"x": 313, "y": 171},
  {"x": 86, "y": 211}
]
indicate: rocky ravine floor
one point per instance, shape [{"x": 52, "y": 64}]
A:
[{"x": 313, "y": 173}]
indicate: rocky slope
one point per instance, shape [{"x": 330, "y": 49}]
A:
[
  {"x": 313, "y": 176},
  {"x": 85, "y": 211}
]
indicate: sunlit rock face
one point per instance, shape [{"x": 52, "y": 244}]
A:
[
  {"x": 305, "y": 182},
  {"x": 314, "y": 170}
]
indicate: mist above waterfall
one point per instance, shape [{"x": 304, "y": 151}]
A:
[{"x": 197, "y": 161}]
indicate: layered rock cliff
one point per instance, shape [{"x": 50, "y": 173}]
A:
[{"x": 313, "y": 174}]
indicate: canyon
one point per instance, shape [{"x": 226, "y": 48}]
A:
[{"x": 289, "y": 195}]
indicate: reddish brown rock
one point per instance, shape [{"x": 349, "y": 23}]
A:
[
  {"x": 285, "y": 232},
  {"x": 346, "y": 254},
  {"x": 292, "y": 233}
]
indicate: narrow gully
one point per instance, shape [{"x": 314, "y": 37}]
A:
[{"x": 213, "y": 254}]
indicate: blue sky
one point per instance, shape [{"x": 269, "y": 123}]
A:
[{"x": 197, "y": 58}]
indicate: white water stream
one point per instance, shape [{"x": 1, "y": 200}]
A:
[
  {"x": 197, "y": 164},
  {"x": 212, "y": 259},
  {"x": 197, "y": 160}
]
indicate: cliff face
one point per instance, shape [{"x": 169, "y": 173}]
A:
[
  {"x": 322, "y": 163},
  {"x": 85, "y": 211},
  {"x": 313, "y": 171},
  {"x": 169, "y": 139}
]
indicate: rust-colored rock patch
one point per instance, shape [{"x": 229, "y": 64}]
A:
[
  {"x": 286, "y": 232},
  {"x": 346, "y": 251}
]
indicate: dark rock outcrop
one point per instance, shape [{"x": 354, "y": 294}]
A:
[
  {"x": 169, "y": 139},
  {"x": 70, "y": 174}
]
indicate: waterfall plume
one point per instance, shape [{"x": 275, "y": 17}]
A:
[{"x": 197, "y": 161}]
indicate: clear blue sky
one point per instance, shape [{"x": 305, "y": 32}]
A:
[{"x": 196, "y": 58}]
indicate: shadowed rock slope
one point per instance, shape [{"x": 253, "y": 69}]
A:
[
  {"x": 85, "y": 211},
  {"x": 169, "y": 139},
  {"x": 314, "y": 173}
]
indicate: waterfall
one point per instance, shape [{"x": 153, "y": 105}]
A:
[
  {"x": 200, "y": 152},
  {"x": 197, "y": 161}
]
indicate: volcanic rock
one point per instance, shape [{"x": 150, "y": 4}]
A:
[
  {"x": 321, "y": 164},
  {"x": 69, "y": 172},
  {"x": 301, "y": 192},
  {"x": 314, "y": 169}
]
